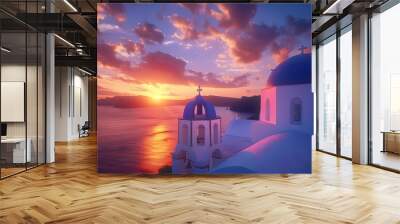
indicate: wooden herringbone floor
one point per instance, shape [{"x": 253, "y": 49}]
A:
[{"x": 70, "y": 191}]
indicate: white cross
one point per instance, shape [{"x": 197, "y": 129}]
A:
[
  {"x": 302, "y": 49},
  {"x": 199, "y": 90}
]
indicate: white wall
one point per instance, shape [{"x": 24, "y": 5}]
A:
[
  {"x": 15, "y": 73},
  {"x": 13, "y": 101},
  {"x": 199, "y": 154},
  {"x": 33, "y": 126},
  {"x": 12, "y": 73},
  {"x": 71, "y": 102},
  {"x": 62, "y": 81},
  {"x": 268, "y": 94},
  {"x": 285, "y": 95},
  {"x": 180, "y": 132},
  {"x": 280, "y": 98},
  {"x": 81, "y": 104}
]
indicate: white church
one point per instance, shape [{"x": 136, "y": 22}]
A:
[{"x": 279, "y": 142}]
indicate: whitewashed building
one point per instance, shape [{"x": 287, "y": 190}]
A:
[{"x": 199, "y": 135}]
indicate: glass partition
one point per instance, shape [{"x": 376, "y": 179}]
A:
[
  {"x": 385, "y": 89},
  {"x": 31, "y": 100},
  {"x": 327, "y": 95},
  {"x": 346, "y": 92},
  {"x": 13, "y": 105},
  {"x": 22, "y": 88},
  {"x": 41, "y": 96}
]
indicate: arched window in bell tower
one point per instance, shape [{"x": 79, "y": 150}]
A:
[
  {"x": 267, "y": 110},
  {"x": 185, "y": 134},
  {"x": 216, "y": 134},
  {"x": 201, "y": 134}
]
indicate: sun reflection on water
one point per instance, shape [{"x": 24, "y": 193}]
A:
[{"x": 157, "y": 148}]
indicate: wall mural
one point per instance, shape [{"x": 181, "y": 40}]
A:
[{"x": 204, "y": 88}]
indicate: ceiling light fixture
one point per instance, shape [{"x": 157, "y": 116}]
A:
[
  {"x": 79, "y": 51},
  {"x": 64, "y": 40},
  {"x": 337, "y": 7},
  {"x": 5, "y": 50},
  {"x": 84, "y": 71},
  {"x": 70, "y": 5},
  {"x": 333, "y": 6}
]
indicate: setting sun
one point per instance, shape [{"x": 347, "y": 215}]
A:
[
  {"x": 156, "y": 92},
  {"x": 156, "y": 98}
]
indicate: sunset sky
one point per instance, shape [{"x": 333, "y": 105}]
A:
[{"x": 165, "y": 50}]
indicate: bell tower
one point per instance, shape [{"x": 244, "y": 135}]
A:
[{"x": 199, "y": 134}]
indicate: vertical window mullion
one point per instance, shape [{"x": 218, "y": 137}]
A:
[
  {"x": 369, "y": 100},
  {"x": 338, "y": 80},
  {"x": 317, "y": 96},
  {"x": 37, "y": 89},
  {"x": 26, "y": 86}
]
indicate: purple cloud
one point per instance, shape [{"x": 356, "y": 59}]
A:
[
  {"x": 247, "y": 47},
  {"x": 106, "y": 55},
  {"x": 160, "y": 67},
  {"x": 210, "y": 80},
  {"x": 234, "y": 15},
  {"x": 149, "y": 33},
  {"x": 117, "y": 11},
  {"x": 195, "y": 8}
]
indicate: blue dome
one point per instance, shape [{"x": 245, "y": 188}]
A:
[
  {"x": 293, "y": 71},
  {"x": 194, "y": 110}
]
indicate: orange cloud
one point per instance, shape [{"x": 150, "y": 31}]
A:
[
  {"x": 280, "y": 55},
  {"x": 117, "y": 11},
  {"x": 186, "y": 29}
]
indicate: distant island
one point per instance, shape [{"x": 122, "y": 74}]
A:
[{"x": 243, "y": 104}]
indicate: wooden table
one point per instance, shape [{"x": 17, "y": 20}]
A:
[
  {"x": 391, "y": 141},
  {"x": 14, "y": 150}
]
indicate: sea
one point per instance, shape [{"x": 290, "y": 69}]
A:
[{"x": 141, "y": 140}]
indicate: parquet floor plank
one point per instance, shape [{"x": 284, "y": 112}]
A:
[{"x": 71, "y": 191}]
